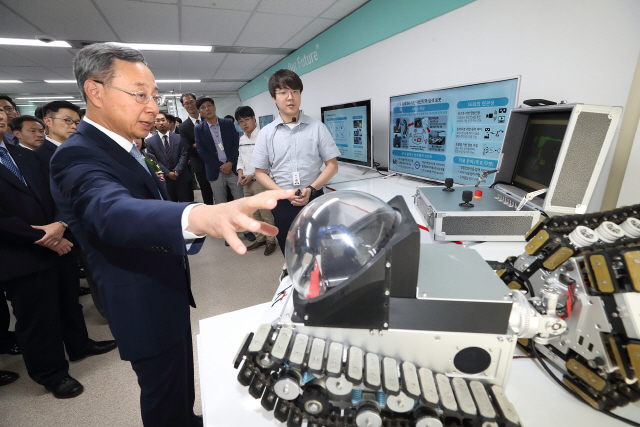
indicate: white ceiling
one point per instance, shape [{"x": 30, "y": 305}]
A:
[{"x": 284, "y": 24}]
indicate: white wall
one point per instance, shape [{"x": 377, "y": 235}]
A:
[
  {"x": 580, "y": 51},
  {"x": 630, "y": 190}
]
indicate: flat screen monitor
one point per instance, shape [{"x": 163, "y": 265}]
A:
[
  {"x": 265, "y": 120},
  {"x": 454, "y": 132},
  {"x": 350, "y": 126},
  {"x": 539, "y": 151}
]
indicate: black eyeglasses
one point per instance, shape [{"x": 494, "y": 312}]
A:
[
  {"x": 141, "y": 97},
  {"x": 67, "y": 120}
]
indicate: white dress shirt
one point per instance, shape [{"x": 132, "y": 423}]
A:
[
  {"x": 57, "y": 144},
  {"x": 245, "y": 152},
  {"x": 128, "y": 146}
]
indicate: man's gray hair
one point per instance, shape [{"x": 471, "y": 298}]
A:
[{"x": 96, "y": 61}]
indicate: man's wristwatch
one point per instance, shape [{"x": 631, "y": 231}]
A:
[
  {"x": 313, "y": 190},
  {"x": 64, "y": 224}
]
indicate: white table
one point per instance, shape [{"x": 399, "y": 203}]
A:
[{"x": 538, "y": 400}]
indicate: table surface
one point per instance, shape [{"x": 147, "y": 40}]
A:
[{"x": 537, "y": 399}]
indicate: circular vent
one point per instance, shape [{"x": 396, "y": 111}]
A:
[{"x": 472, "y": 360}]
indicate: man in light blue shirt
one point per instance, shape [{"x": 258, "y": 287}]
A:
[{"x": 294, "y": 147}]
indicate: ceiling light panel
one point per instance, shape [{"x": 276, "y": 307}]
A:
[{"x": 32, "y": 42}]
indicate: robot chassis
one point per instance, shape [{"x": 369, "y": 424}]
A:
[
  {"x": 582, "y": 275},
  {"x": 584, "y": 269}
]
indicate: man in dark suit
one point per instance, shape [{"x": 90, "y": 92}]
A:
[
  {"x": 62, "y": 119},
  {"x": 172, "y": 158},
  {"x": 32, "y": 249},
  {"x": 136, "y": 240},
  {"x": 188, "y": 101},
  {"x": 217, "y": 142}
]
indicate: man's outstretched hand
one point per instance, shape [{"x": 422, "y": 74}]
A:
[{"x": 226, "y": 219}]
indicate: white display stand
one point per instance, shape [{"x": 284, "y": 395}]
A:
[{"x": 538, "y": 400}]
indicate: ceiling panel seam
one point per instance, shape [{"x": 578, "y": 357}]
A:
[{"x": 106, "y": 21}]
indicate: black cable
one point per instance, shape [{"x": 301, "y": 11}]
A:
[
  {"x": 376, "y": 165},
  {"x": 499, "y": 182},
  {"x": 523, "y": 279},
  {"x": 571, "y": 392}
]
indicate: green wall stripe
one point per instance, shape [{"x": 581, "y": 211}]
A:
[{"x": 373, "y": 22}]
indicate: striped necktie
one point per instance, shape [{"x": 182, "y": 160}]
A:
[
  {"x": 139, "y": 157},
  {"x": 167, "y": 150},
  {"x": 5, "y": 159}
]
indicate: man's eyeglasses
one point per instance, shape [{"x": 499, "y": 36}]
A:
[
  {"x": 141, "y": 97},
  {"x": 9, "y": 109},
  {"x": 67, "y": 120},
  {"x": 193, "y": 101},
  {"x": 286, "y": 93}
]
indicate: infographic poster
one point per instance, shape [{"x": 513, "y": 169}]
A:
[
  {"x": 265, "y": 120},
  {"x": 451, "y": 133},
  {"x": 348, "y": 126}
]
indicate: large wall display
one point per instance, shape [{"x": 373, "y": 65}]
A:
[{"x": 454, "y": 133}]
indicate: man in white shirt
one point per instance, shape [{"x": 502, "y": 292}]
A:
[
  {"x": 246, "y": 178},
  {"x": 28, "y": 130}
]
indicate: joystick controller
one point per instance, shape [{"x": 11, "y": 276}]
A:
[
  {"x": 467, "y": 196},
  {"x": 448, "y": 183}
]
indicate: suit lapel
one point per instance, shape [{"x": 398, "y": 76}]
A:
[
  {"x": 25, "y": 170},
  {"x": 119, "y": 154},
  {"x": 8, "y": 176},
  {"x": 159, "y": 145}
]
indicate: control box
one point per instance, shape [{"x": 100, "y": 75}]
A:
[{"x": 490, "y": 217}]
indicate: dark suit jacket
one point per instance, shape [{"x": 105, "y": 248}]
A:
[
  {"x": 188, "y": 139},
  {"x": 132, "y": 239},
  {"x": 207, "y": 149},
  {"x": 45, "y": 152},
  {"x": 22, "y": 206},
  {"x": 179, "y": 156}
]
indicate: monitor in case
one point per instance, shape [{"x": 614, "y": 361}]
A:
[
  {"x": 454, "y": 132},
  {"x": 350, "y": 126}
]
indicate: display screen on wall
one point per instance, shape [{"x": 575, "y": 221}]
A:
[
  {"x": 265, "y": 120},
  {"x": 454, "y": 132},
  {"x": 350, "y": 126}
]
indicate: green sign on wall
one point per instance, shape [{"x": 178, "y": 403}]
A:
[{"x": 373, "y": 22}]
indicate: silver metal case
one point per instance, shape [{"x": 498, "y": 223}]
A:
[{"x": 493, "y": 217}]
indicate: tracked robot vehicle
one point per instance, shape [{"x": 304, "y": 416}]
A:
[{"x": 370, "y": 328}]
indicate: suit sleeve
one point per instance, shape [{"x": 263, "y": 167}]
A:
[
  {"x": 16, "y": 231},
  {"x": 184, "y": 159},
  {"x": 106, "y": 209},
  {"x": 235, "y": 144},
  {"x": 204, "y": 150}
]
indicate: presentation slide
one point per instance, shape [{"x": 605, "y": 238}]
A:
[
  {"x": 348, "y": 126},
  {"x": 265, "y": 120},
  {"x": 451, "y": 133}
]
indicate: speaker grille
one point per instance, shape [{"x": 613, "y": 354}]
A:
[
  {"x": 486, "y": 225},
  {"x": 584, "y": 148}
]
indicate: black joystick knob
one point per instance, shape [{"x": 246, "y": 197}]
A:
[
  {"x": 448, "y": 183},
  {"x": 467, "y": 196}
]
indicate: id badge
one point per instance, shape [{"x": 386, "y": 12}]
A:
[
  {"x": 296, "y": 178},
  {"x": 221, "y": 147}
]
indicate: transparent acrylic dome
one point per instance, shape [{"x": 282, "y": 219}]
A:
[{"x": 334, "y": 237}]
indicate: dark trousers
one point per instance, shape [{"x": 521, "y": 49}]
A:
[
  {"x": 180, "y": 189},
  {"x": 283, "y": 216},
  {"x": 48, "y": 319},
  {"x": 205, "y": 188},
  {"x": 95, "y": 293},
  {"x": 167, "y": 391},
  {"x": 6, "y": 339}
]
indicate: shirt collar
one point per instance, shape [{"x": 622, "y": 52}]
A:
[
  {"x": 127, "y": 145},
  {"x": 278, "y": 121},
  {"x": 217, "y": 123},
  {"x": 193, "y": 119},
  {"x": 58, "y": 144},
  {"x": 24, "y": 146},
  {"x": 2, "y": 144},
  {"x": 254, "y": 136},
  {"x": 167, "y": 134}
]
